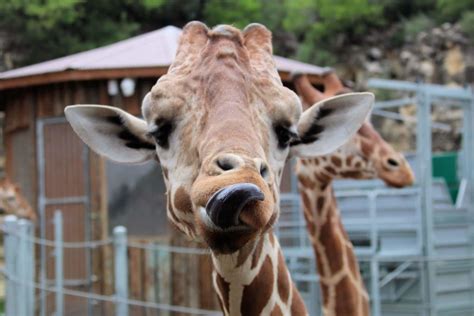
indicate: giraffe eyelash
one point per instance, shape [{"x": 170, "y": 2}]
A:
[{"x": 162, "y": 132}]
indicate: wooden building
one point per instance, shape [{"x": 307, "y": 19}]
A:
[{"x": 55, "y": 170}]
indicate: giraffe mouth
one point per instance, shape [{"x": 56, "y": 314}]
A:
[
  {"x": 225, "y": 206},
  {"x": 239, "y": 227}
]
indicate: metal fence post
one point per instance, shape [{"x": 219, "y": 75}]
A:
[
  {"x": 31, "y": 269},
  {"x": 121, "y": 270},
  {"x": 10, "y": 248},
  {"x": 22, "y": 268},
  {"x": 58, "y": 262}
]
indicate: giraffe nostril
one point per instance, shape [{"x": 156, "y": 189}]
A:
[
  {"x": 224, "y": 165},
  {"x": 392, "y": 162},
  {"x": 228, "y": 162},
  {"x": 263, "y": 171}
]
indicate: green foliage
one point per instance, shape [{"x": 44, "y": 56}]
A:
[
  {"x": 415, "y": 25},
  {"x": 237, "y": 13},
  {"x": 333, "y": 24},
  {"x": 311, "y": 30},
  {"x": 451, "y": 10},
  {"x": 43, "y": 29},
  {"x": 467, "y": 25}
]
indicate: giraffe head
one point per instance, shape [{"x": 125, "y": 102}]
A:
[
  {"x": 220, "y": 123},
  {"x": 365, "y": 156},
  {"x": 12, "y": 201}
]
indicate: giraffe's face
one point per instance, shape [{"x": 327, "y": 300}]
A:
[
  {"x": 365, "y": 156},
  {"x": 221, "y": 124}
]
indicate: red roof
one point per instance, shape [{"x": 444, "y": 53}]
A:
[{"x": 153, "y": 49}]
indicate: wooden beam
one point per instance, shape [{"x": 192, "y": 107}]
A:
[
  {"x": 97, "y": 74},
  {"x": 81, "y": 75}
]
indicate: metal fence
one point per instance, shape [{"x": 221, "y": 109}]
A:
[{"x": 19, "y": 271}]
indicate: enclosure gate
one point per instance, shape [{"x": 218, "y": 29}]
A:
[{"x": 63, "y": 176}]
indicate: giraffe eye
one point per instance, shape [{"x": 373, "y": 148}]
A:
[
  {"x": 284, "y": 136},
  {"x": 162, "y": 132}
]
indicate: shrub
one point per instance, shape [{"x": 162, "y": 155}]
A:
[
  {"x": 415, "y": 25},
  {"x": 467, "y": 25}
]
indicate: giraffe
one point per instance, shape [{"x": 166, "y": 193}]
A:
[
  {"x": 364, "y": 156},
  {"x": 13, "y": 202},
  {"x": 222, "y": 126}
]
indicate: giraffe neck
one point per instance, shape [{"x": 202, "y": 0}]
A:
[
  {"x": 343, "y": 290},
  {"x": 256, "y": 281}
]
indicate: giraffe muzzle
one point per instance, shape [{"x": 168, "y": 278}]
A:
[{"x": 225, "y": 206}]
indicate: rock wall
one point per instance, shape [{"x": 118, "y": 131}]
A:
[{"x": 441, "y": 55}]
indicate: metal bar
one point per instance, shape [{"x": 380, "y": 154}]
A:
[
  {"x": 424, "y": 147},
  {"x": 22, "y": 269},
  {"x": 121, "y": 270},
  {"x": 66, "y": 200},
  {"x": 468, "y": 142},
  {"x": 41, "y": 211},
  {"x": 461, "y": 193},
  {"x": 31, "y": 270},
  {"x": 374, "y": 266},
  {"x": 394, "y": 103},
  {"x": 392, "y": 275},
  {"x": 87, "y": 222},
  {"x": 10, "y": 248},
  {"x": 432, "y": 89},
  {"x": 59, "y": 262},
  {"x": 397, "y": 116},
  {"x": 391, "y": 84}
]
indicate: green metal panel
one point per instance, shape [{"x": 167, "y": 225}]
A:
[{"x": 445, "y": 166}]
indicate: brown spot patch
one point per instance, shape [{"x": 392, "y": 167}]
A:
[
  {"x": 306, "y": 200},
  {"x": 342, "y": 228},
  {"x": 332, "y": 245},
  {"x": 306, "y": 181},
  {"x": 336, "y": 161},
  {"x": 351, "y": 174},
  {"x": 311, "y": 226},
  {"x": 257, "y": 252},
  {"x": 256, "y": 295},
  {"x": 331, "y": 170},
  {"x": 316, "y": 161},
  {"x": 324, "y": 293},
  {"x": 283, "y": 281},
  {"x": 320, "y": 203},
  {"x": 223, "y": 288},
  {"x": 276, "y": 311},
  {"x": 347, "y": 298},
  {"x": 182, "y": 200},
  {"x": 352, "y": 260},
  {"x": 297, "y": 304},
  {"x": 366, "y": 148},
  {"x": 244, "y": 252},
  {"x": 322, "y": 178},
  {"x": 349, "y": 160}
]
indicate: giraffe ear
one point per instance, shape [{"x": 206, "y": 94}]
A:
[
  {"x": 330, "y": 123},
  {"x": 111, "y": 132}
]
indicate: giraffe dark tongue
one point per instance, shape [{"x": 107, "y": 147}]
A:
[{"x": 225, "y": 206}]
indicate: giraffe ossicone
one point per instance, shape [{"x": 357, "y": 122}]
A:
[{"x": 222, "y": 125}]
